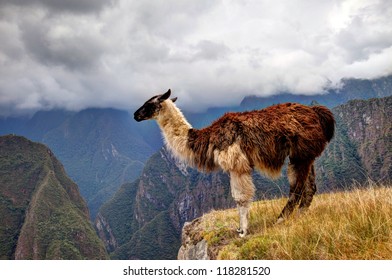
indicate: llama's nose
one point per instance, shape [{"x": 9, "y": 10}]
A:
[{"x": 137, "y": 117}]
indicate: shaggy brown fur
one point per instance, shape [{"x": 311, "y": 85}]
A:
[
  {"x": 266, "y": 136},
  {"x": 241, "y": 142}
]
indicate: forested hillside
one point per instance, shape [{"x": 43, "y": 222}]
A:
[
  {"x": 100, "y": 148},
  {"x": 43, "y": 214}
]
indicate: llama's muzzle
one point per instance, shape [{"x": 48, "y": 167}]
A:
[{"x": 137, "y": 117}]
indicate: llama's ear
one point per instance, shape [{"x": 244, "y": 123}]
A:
[
  {"x": 165, "y": 96},
  {"x": 174, "y": 99}
]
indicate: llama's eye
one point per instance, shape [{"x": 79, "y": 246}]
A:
[{"x": 149, "y": 108}]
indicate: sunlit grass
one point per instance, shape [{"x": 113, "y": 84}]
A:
[{"x": 344, "y": 225}]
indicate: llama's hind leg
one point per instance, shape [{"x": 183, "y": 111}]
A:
[
  {"x": 310, "y": 190},
  {"x": 298, "y": 173},
  {"x": 242, "y": 190}
]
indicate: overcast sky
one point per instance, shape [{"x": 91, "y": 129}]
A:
[{"x": 75, "y": 54}]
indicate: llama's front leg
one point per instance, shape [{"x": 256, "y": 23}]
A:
[{"x": 242, "y": 190}]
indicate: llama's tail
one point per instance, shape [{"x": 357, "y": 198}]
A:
[{"x": 327, "y": 121}]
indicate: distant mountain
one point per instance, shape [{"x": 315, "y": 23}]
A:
[
  {"x": 144, "y": 219},
  {"x": 350, "y": 89},
  {"x": 100, "y": 148},
  {"x": 369, "y": 128},
  {"x": 43, "y": 214},
  {"x": 362, "y": 147}
]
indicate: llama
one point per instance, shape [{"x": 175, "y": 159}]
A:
[{"x": 238, "y": 143}]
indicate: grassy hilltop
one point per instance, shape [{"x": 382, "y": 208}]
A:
[{"x": 356, "y": 224}]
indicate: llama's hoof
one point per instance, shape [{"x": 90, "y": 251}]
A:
[
  {"x": 241, "y": 232},
  {"x": 279, "y": 221}
]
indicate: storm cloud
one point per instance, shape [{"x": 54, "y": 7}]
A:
[
  {"x": 59, "y": 6},
  {"x": 82, "y": 53}
]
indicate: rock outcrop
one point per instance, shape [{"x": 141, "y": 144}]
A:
[{"x": 193, "y": 246}]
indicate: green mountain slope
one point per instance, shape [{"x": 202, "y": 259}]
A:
[
  {"x": 157, "y": 240},
  {"x": 100, "y": 148},
  {"x": 370, "y": 129},
  {"x": 43, "y": 215}
]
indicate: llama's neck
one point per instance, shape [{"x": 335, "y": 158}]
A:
[{"x": 175, "y": 129}]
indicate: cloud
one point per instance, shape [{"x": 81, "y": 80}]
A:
[
  {"x": 65, "y": 43},
  {"x": 72, "y": 6},
  {"x": 76, "y": 54}
]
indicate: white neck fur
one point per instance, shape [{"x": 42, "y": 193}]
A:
[{"x": 175, "y": 129}]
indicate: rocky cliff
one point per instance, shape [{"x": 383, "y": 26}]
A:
[
  {"x": 362, "y": 146},
  {"x": 43, "y": 214},
  {"x": 369, "y": 127}
]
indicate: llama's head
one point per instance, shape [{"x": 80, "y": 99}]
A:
[{"x": 151, "y": 108}]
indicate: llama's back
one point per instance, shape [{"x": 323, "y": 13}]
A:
[
  {"x": 266, "y": 136},
  {"x": 289, "y": 129}
]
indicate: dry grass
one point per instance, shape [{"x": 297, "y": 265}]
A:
[{"x": 345, "y": 225}]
